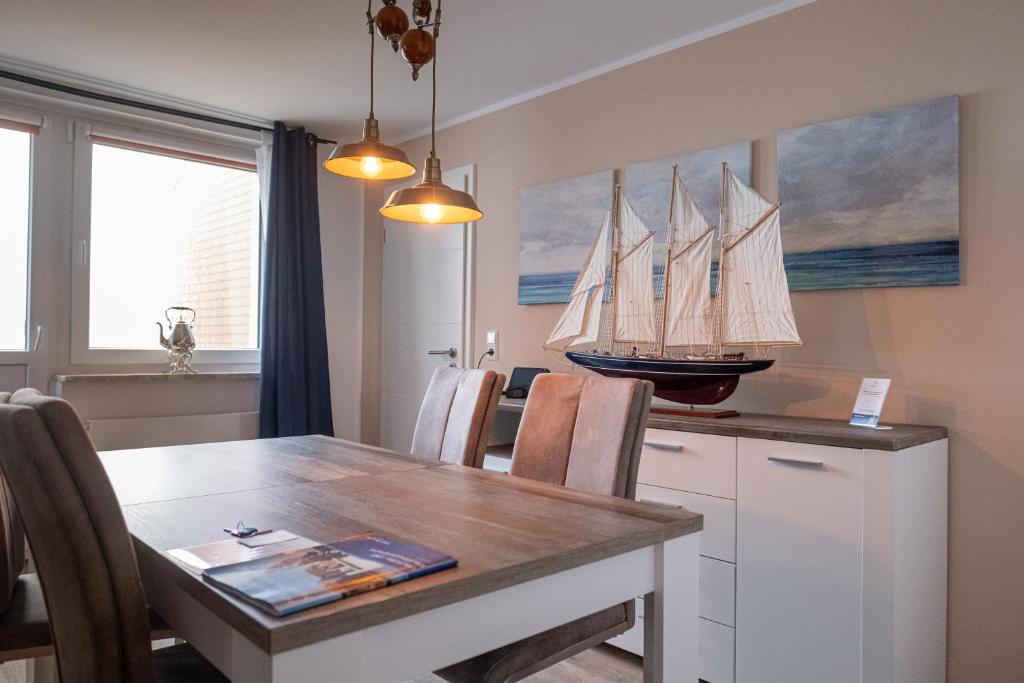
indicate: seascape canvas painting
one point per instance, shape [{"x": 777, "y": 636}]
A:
[
  {"x": 559, "y": 220},
  {"x": 648, "y": 188},
  {"x": 558, "y": 223},
  {"x": 873, "y": 200}
]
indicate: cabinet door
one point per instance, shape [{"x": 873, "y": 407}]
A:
[{"x": 799, "y": 562}]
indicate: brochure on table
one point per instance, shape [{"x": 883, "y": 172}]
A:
[{"x": 282, "y": 573}]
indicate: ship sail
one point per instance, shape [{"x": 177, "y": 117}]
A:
[
  {"x": 754, "y": 291},
  {"x": 687, "y": 272},
  {"x": 633, "y": 300},
  {"x": 581, "y": 319}
]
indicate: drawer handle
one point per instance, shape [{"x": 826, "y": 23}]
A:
[
  {"x": 797, "y": 461},
  {"x": 664, "y": 446}
]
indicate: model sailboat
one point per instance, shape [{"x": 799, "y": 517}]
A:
[{"x": 680, "y": 342}]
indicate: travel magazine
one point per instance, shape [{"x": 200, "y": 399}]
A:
[{"x": 302, "y": 577}]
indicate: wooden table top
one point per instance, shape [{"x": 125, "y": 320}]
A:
[
  {"x": 787, "y": 428},
  {"x": 504, "y": 530}
]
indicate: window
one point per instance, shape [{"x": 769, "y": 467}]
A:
[
  {"x": 169, "y": 228},
  {"x": 15, "y": 197}
]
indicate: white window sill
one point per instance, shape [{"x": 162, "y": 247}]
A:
[{"x": 154, "y": 377}]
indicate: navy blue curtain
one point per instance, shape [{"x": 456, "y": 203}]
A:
[{"x": 295, "y": 390}]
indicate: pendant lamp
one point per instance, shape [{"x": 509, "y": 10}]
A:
[
  {"x": 369, "y": 159},
  {"x": 431, "y": 201}
]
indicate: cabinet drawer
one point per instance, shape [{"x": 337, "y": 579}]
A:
[
  {"x": 799, "y": 575},
  {"x": 718, "y": 591},
  {"x": 717, "y": 652},
  {"x": 718, "y": 539},
  {"x": 701, "y": 463}
]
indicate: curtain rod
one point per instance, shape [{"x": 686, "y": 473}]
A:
[{"x": 114, "y": 99}]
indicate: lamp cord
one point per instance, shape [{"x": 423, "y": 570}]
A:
[
  {"x": 433, "y": 81},
  {"x": 369, "y": 25}
]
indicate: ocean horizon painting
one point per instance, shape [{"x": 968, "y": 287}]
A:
[
  {"x": 873, "y": 200},
  {"x": 558, "y": 221}
]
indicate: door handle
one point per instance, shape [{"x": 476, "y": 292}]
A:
[
  {"x": 797, "y": 461},
  {"x": 450, "y": 352},
  {"x": 38, "y": 338}
]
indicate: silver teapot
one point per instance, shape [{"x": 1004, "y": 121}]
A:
[{"x": 182, "y": 339}]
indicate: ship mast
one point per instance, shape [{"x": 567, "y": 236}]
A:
[
  {"x": 718, "y": 323},
  {"x": 616, "y": 229},
  {"x": 667, "y": 271}
]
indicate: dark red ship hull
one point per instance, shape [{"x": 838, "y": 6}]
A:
[{"x": 694, "y": 382}]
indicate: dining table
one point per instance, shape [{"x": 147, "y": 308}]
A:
[{"x": 531, "y": 556}]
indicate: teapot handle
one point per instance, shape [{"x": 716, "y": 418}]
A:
[{"x": 179, "y": 308}]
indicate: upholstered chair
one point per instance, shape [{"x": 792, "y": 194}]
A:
[
  {"x": 456, "y": 415},
  {"x": 583, "y": 432},
  {"x": 83, "y": 552},
  {"x": 12, "y": 539}
]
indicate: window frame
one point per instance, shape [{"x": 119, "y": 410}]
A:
[
  {"x": 35, "y": 354},
  {"x": 81, "y": 353}
]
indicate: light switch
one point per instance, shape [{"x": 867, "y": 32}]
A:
[{"x": 492, "y": 343}]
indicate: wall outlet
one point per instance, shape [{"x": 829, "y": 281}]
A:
[{"x": 492, "y": 343}]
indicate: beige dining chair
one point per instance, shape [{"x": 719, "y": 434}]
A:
[
  {"x": 12, "y": 539},
  {"x": 86, "y": 564},
  {"x": 456, "y": 415},
  {"x": 583, "y": 432}
]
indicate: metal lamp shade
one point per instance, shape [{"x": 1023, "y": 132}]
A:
[
  {"x": 431, "y": 201},
  {"x": 347, "y": 160}
]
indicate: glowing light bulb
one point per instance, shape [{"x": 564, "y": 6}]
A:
[
  {"x": 431, "y": 213},
  {"x": 371, "y": 166}
]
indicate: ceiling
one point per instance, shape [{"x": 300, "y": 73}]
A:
[{"x": 305, "y": 61}]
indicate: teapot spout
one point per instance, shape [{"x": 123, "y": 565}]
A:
[{"x": 164, "y": 341}]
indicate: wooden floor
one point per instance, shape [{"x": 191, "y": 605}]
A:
[{"x": 600, "y": 665}]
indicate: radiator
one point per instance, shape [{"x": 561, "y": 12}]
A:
[{"x": 141, "y": 432}]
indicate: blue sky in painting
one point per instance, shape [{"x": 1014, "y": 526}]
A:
[
  {"x": 559, "y": 220},
  {"x": 649, "y": 183},
  {"x": 885, "y": 178}
]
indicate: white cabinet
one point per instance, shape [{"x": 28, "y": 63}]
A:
[{"x": 818, "y": 563}]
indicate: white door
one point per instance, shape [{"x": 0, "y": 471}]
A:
[{"x": 426, "y": 309}]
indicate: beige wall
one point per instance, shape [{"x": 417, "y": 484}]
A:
[
  {"x": 341, "y": 245},
  {"x": 951, "y": 351}
]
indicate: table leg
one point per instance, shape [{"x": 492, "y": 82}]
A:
[{"x": 671, "y": 644}]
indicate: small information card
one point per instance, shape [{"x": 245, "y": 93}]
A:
[{"x": 868, "y": 407}]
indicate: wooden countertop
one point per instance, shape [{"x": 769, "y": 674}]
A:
[{"x": 787, "y": 428}]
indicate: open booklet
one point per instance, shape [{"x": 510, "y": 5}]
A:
[{"x": 296, "y": 573}]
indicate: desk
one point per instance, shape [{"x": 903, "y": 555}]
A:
[{"x": 531, "y": 556}]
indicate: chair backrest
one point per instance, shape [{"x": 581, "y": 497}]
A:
[
  {"x": 12, "y": 539},
  {"x": 456, "y": 415},
  {"x": 584, "y": 432},
  {"x": 80, "y": 543}
]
